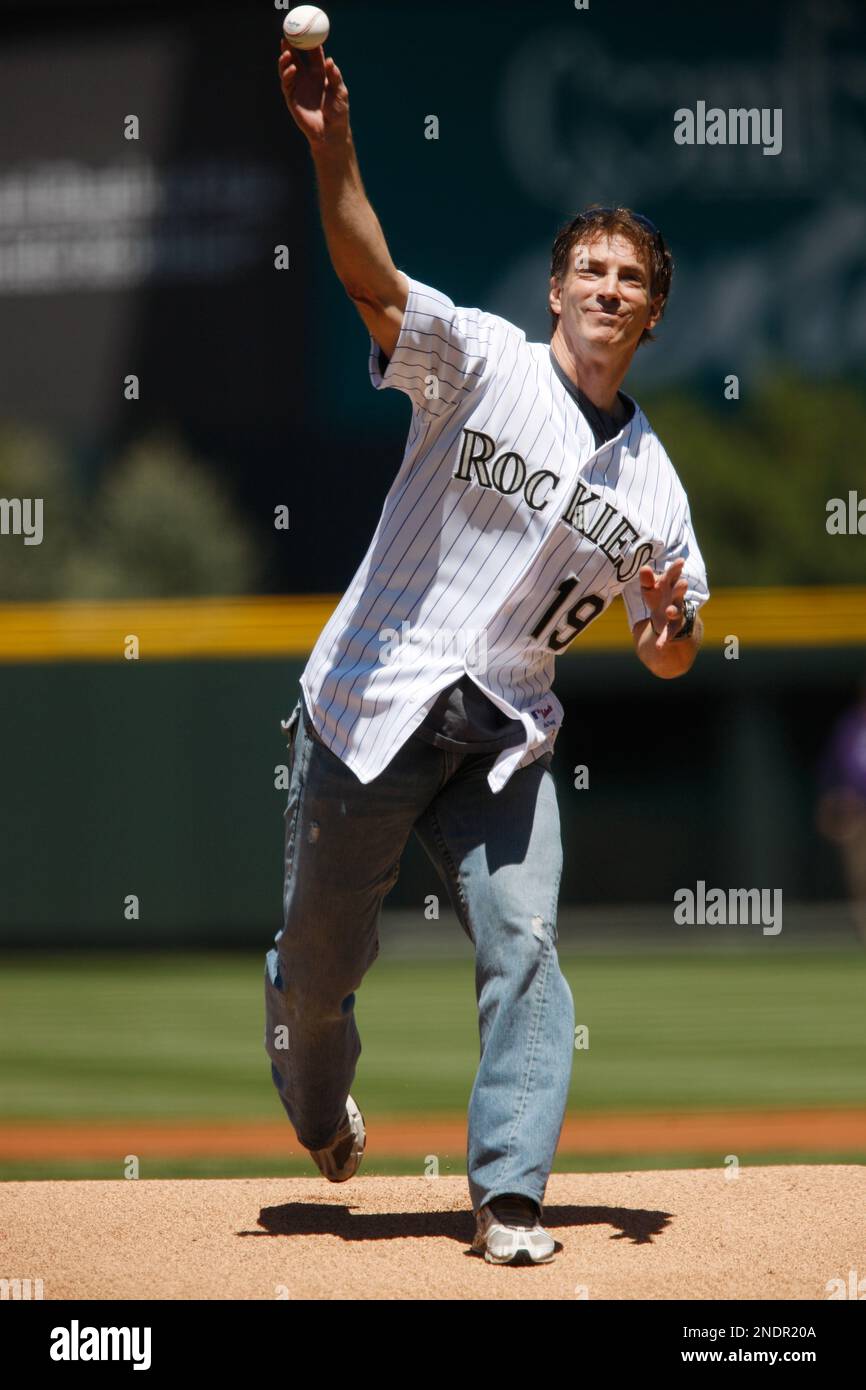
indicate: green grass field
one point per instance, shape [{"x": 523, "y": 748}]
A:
[
  {"x": 179, "y": 1037},
  {"x": 377, "y": 1166}
]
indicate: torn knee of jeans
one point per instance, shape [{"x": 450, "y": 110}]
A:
[
  {"x": 313, "y": 832},
  {"x": 538, "y": 927}
]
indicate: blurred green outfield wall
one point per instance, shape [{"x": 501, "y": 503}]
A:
[{"x": 158, "y": 780}]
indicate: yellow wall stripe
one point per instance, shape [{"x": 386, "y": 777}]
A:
[{"x": 235, "y": 628}]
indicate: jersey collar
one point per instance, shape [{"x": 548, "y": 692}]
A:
[{"x": 583, "y": 401}]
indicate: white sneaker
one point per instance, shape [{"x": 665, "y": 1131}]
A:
[
  {"x": 342, "y": 1157},
  {"x": 508, "y": 1230}
]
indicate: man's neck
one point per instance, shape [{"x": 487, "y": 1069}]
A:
[{"x": 598, "y": 378}]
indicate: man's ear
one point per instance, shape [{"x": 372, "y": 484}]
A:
[
  {"x": 554, "y": 297},
  {"x": 656, "y": 306}
]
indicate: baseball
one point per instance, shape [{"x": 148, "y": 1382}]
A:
[{"x": 306, "y": 26}]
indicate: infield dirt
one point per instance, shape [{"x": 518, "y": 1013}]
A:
[{"x": 769, "y": 1233}]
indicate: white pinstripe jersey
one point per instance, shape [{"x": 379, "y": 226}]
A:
[{"x": 504, "y": 534}]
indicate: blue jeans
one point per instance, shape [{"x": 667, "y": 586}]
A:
[{"x": 500, "y": 858}]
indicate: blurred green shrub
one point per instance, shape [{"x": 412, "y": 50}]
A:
[
  {"x": 159, "y": 524},
  {"x": 33, "y": 465},
  {"x": 759, "y": 473}
]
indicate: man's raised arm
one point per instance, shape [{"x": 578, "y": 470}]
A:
[{"x": 318, "y": 100}]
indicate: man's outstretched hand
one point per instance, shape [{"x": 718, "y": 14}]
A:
[
  {"x": 314, "y": 91},
  {"x": 663, "y": 595}
]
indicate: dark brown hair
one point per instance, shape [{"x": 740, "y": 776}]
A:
[{"x": 643, "y": 234}]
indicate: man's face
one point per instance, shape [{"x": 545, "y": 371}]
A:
[{"x": 604, "y": 300}]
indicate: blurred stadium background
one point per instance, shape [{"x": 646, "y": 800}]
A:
[{"x": 157, "y": 777}]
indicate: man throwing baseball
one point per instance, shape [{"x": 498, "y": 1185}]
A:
[{"x": 532, "y": 492}]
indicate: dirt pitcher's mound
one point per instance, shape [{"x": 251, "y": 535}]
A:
[{"x": 775, "y": 1232}]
